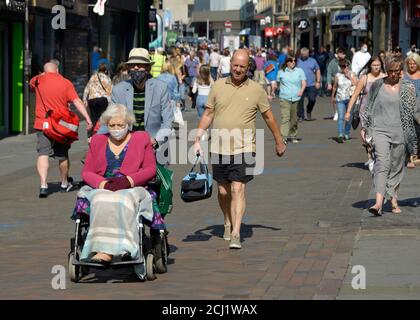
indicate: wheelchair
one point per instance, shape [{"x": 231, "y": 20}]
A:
[{"x": 153, "y": 249}]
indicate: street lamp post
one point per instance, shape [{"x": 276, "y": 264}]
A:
[
  {"x": 292, "y": 24},
  {"x": 27, "y": 67},
  {"x": 389, "y": 25},
  {"x": 143, "y": 24}
]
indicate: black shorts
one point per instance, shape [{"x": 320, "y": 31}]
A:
[
  {"x": 228, "y": 168},
  {"x": 48, "y": 147}
]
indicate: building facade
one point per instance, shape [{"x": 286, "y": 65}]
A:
[
  {"x": 115, "y": 32},
  {"x": 11, "y": 66}
]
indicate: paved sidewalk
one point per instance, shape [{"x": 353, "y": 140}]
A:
[
  {"x": 299, "y": 231},
  {"x": 388, "y": 247}
]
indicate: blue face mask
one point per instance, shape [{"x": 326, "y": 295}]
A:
[{"x": 138, "y": 76}]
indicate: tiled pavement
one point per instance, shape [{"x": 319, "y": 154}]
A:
[{"x": 303, "y": 215}]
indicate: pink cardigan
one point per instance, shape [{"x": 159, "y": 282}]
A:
[{"x": 139, "y": 162}]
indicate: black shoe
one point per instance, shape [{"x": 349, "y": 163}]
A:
[
  {"x": 340, "y": 139},
  {"x": 69, "y": 185},
  {"x": 308, "y": 117},
  {"x": 126, "y": 257},
  {"x": 43, "y": 192}
]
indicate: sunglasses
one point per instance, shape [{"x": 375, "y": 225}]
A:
[{"x": 138, "y": 65}]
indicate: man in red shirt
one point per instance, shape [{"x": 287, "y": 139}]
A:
[{"x": 53, "y": 91}]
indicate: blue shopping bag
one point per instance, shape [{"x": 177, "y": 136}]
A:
[{"x": 197, "y": 185}]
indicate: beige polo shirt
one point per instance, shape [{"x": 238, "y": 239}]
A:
[{"x": 235, "y": 112}]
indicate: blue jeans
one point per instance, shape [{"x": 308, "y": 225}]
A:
[
  {"x": 213, "y": 71},
  {"x": 343, "y": 127},
  {"x": 201, "y": 105},
  {"x": 310, "y": 93},
  {"x": 182, "y": 90}
]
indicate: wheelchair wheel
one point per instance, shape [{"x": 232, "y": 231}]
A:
[
  {"x": 74, "y": 271},
  {"x": 161, "y": 255},
  {"x": 150, "y": 274}
]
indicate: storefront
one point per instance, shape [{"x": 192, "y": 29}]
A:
[
  {"x": 115, "y": 31},
  {"x": 411, "y": 11},
  {"x": 11, "y": 67}
]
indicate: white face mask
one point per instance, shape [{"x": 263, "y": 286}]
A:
[
  {"x": 119, "y": 134},
  {"x": 364, "y": 49}
]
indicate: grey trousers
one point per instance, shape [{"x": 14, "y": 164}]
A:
[{"x": 389, "y": 164}]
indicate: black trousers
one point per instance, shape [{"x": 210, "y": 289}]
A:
[{"x": 96, "y": 106}]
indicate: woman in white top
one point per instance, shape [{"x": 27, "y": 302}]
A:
[
  {"x": 224, "y": 66},
  {"x": 202, "y": 84},
  {"x": 344, "y": 84}
]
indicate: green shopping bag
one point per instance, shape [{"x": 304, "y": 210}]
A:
[{"x": 165, "y": 176}]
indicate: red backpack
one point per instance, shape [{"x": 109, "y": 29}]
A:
[{"x": 61, "y": 124}]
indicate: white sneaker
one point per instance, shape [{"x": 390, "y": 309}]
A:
[
  {"x": 335, "y": 118},
  {"x": 371, "y": 165}
]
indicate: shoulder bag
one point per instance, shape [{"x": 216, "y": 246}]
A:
[
  {"x": 60, "y": 124},
  {"x": 355, "y": 120}
]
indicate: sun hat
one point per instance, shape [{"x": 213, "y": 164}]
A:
[{"x": 139, "y": 55}]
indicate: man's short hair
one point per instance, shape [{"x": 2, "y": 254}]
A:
[
  {"x": 341, "y": 50},
  {"x": 304, "y": 50}
]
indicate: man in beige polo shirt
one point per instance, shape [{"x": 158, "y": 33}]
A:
[{"x": 232, "y": 107}]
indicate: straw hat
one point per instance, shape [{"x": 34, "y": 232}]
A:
[{"x": 139, "y": 55}]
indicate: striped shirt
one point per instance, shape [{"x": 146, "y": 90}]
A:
[{"x": 138, "y": 108}]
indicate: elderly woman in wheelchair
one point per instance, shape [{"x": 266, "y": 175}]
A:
[{"x": 117, "y": 169}]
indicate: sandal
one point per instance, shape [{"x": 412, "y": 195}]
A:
[
  {"x": 376, "y": 212},
  {"x": 396, "y": 210},
  {"x": 411, "y": 165}
]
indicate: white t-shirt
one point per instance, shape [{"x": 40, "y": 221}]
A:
[
  {"x": 214, "y": 59},
  {"x": 360, "y": 59},
  {"x": 224, "y": 66},
  {"x": 203, "y": 90}
]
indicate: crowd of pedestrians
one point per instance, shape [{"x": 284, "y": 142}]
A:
[{"x": 226, "y": 87}]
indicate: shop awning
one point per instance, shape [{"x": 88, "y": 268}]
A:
[
  {"x": 246, "y": 32},
  {"x": 327, "y": 5}
]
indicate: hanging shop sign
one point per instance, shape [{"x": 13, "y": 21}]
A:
[
  {"x": 355, "y": 19},
  {"x": 13, "y": 5},
  {"x": 269, "y": 32},
  {"x": 303, "y": 24}
]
